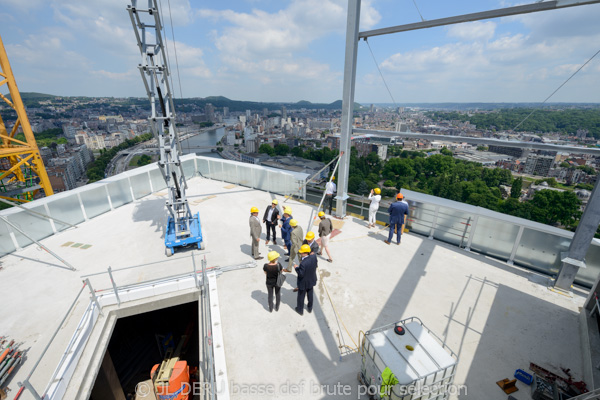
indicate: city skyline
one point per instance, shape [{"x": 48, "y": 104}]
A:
[{"x": 271, "y": 51}]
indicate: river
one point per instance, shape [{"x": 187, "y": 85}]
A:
[{"x": 208, "y": 138}]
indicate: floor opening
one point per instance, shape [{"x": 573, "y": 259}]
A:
[{"x": 142, "y": 341}]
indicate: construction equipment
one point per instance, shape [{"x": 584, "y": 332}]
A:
[
  {"x": 10, "y": 358},
  {"x": 22, "y": 171},
  {"x": 183, "y": 228},
  {"x": 171, "y": 378}
]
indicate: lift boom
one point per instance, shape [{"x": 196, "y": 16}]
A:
[{"x": 183, "y": 229}]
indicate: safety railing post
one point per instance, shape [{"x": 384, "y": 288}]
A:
[
  {"x": 114, "y": 285},
  {"x": 472, "y": 233},
  {"x": 195, "y": 272},
  {"x": 434, "y": 223},
  {"x": 93, "y": 293},
  {"x": 513, "y": 253},
  {"x": 27, "y": 385}
]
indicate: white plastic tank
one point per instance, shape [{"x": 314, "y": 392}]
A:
[{"x": 422, "y": 365}]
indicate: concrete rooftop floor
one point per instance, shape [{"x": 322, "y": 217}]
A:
[{"x": 497, "y": 318}]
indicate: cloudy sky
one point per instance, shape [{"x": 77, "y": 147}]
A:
[{"x": 291, "y": 50}]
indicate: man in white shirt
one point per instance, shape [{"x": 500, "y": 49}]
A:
[
  {"x": 375, "y": 197},
  {"x": 330, "y": 189}
]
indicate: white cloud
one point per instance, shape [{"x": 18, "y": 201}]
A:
[
  {"x": 275, "y": 44},
  {"x": 473, "y": 30},
  {"x": 46, "y": 52},
  {"x": 482, "y": 64}
]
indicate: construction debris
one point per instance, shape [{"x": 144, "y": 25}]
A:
[
  {"x": 507, "y": 385},
  {"x": 567, "y": 385},
  {"x": 10, "y": 359}
]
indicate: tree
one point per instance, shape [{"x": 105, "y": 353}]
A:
[
  {"x": 445, "y": 151},
  {"x": 266, "y": 148},
  {"x": 565, "y": 165},
  {"x": 144, "y": 160},
  {"x": 587, "y": 169},
  {"x": 282, "y": 149},
  {"x": 297, "y": 151},
  {"x": 552, "y": 206},
  {"x": 363, "y": 188},
  {"x": 515, "y": 190}
]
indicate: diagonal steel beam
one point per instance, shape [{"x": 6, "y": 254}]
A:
[{"x": 478, "y": 16}]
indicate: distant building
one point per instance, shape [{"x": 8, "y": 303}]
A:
[
  {"x": 283, "y": 113},
  {"x": 297, "y": 164},
  {"x": 209, "y": 110},
  {"x": 251, "y": 145},
  {"x": 254, "y": 158},
  {"x": 538, "y": 165},
  {"x": 401, "y": 127},
  {"x": 265, "y": 112},
  {"x": 516, "y": 152},
  {"x": 225, "y": 112}
]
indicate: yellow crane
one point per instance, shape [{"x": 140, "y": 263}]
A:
[{"x": 22, "y": 171}]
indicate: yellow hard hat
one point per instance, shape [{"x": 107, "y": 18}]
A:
[
  {"x": 333, "y": 178},
  {"x": 253, "y": 210},
  {"x": 321, "y": 214},
  {"x": 274, "y": 202},
  {"x": 273, "y": 255},
  {"x": 293, "y": 222},
  {"x": 304, "y": 249},
  {"x": 287, "y": 210},
  {"x": 377, "y": 191},
  {"x": 310, "y": 235}
]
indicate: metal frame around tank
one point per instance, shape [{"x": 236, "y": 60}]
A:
[{"x": 574, "y": 258}]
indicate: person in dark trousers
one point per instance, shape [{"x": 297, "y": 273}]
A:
[
  {"x": 307, "y": 278},
  {"x": 270, "y": 219},
  {"x": 398, "y": 213},
  {"x": 330, "y": 189},
  {"x": 286, "y": 229},
  {"x": 272, "y": 270}
]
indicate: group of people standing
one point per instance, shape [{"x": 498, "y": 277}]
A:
[
  {"x": 398, "y": 212},
  {"x": 305, "y": 248}
]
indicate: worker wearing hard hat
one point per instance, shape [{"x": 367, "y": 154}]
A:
[
  {"x": 286, "y": 229},
  {"x": 307, "y": 278},
  {"x": 296, "y": 239},
  {"x": 375, "y": 197},
  {"x": 272, "y": 271},
  {"x": 330, "y": 189},
  {"x": 398, "y": 214},
  {"x": 310, "y": 240},
  {"x": 270, "y": 219},
  {"x": 325, "y": 229},
  {"x": 255, "y": 231}
]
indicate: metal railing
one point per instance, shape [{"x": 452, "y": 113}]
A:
[
  {"x": 113, "y": 295},
  {"x": 21, "y": 227},
  {"x": 510, "y": 239}
]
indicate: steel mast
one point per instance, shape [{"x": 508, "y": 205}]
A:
[{"x": 183, "y": 229}]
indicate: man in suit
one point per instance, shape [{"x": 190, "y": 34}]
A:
[
  {"x": 286, "y": 229},
  {"x": 398, "y": 213},
  {"x": 297, "y": 236},
  {"x": 255, "y": 231},
  {"x": 307, "y": 278},
  {"x": 270, "y": 219}
]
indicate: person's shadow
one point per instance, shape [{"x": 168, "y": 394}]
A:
[{"x": 288, "y": 296}]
